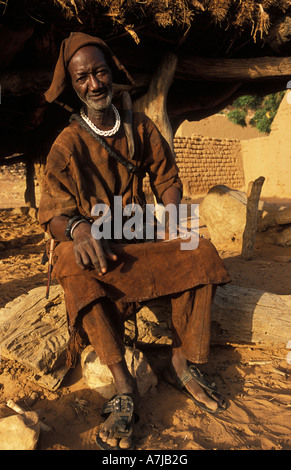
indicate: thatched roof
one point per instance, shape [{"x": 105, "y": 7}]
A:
[
  {"x": 140, "y": 32},
  {"x": 175, "y": 21},
  {"x": 257, "y": 15}
]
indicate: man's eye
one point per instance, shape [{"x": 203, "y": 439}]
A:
[
  {"x": 81, "y": 79},
  {"x": 101, "y": 72}
]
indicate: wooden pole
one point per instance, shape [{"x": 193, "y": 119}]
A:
[
  {"x": 29, "y": 195},
  {"x": 154, "y": 102},
  {"x": 249, "y": 235}
]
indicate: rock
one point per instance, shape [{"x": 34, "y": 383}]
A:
[
  {"x": 273, "y": 215},
  {"x": 23, "y": 210},
  {"x": 32, "y": 212},
  {"x": 99, "y": 377},
  {"x": 224, "y": 212},
  {"x": 284, "y": 237},
  {"x": 32, "y": 399},
  {"x": 34, "y": 332},
  {"x": 153, "y": 322},
  {"x": 96, "y": 376},
  {"x": 140, "y": 368},
  {"x": 19, "y": 432},
  {"x": 283, "y": 216},
  {"x": 279, "y": 235}
]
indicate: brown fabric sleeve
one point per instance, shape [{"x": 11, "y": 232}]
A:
[
  {"x": 58, "y": 188},
  {"x": 161, "y": 165}
]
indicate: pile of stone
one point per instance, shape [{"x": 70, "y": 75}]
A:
[{"x": 17, "y": 169}]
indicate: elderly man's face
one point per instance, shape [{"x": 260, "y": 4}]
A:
[{"x": 91, "y": 77}]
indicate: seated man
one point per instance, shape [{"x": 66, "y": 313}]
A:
[{"x": 91, "y": 162}]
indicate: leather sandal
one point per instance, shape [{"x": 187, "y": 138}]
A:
[
  {"x": 193, "y": 373},
  {"x": 121, "y": 406}
]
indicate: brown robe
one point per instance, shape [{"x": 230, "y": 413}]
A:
[{"x": 79, "y": 174}]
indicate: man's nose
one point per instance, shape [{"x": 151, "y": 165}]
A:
[{"x": 94, "y": 83}]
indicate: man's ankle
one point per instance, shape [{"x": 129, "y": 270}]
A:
[{"x": 123, "y": 380}]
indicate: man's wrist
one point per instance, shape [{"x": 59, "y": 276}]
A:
[
  {"x": 72, "y": 224},
  {"x": 77, "y": 226}
]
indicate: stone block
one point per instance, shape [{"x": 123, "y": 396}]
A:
[{"x": 19, "y": 432}]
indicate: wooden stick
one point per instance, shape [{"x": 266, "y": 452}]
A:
[
  {"x": 50, "y": 265},
  {"x": 20, "y": 411}
]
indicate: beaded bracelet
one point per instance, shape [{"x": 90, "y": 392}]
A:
[{"x": 75, "y": 225}]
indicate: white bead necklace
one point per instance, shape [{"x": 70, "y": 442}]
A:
[{"x": 98, "y": 131}]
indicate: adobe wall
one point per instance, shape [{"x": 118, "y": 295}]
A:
[
  {"x": 271, "y": 156},
  {"x": 204, "y": 162},
  {"x": 218, "y": 126}
]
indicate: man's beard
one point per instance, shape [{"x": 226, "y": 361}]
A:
[{"x": 96, "y": 105}]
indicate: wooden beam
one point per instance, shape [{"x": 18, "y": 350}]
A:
[
  {"x": 30, "y": 81},
  {"x": 244, "y": 315},
  {"x": 12, "y": 159},
  {"x": 25, "y": 81},
  {"x": 239, "y": 315},
  {"x": 35, "y": 80},
  {"x": 257, "y": 68}
]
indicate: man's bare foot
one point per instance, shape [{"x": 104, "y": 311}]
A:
[{"x": 180, "y": 366}]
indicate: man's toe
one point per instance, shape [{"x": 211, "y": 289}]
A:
[
  {"x": 113, "y": 442},
  {"x": 125, "y": 443}
]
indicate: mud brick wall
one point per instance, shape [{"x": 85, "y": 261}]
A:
[{"x": 204, "y": 162}]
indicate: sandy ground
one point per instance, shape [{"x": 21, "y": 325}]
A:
[{"x": 256, "y": 382}]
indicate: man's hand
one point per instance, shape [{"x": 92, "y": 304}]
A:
[{"x": 90, "y": 252}]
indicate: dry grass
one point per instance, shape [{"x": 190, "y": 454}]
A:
[{"x": 255, "y": 16}]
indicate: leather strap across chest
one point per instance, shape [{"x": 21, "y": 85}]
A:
[{"x": 128, "y": 165}]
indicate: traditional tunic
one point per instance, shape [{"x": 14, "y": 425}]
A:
[{"x": 79, "y": 174}]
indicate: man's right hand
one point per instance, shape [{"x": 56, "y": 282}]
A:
[{"x": 90, "y": 252}]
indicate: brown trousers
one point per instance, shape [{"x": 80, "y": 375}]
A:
[
  {"x": 142, "y": 272},
  {"x": 103, "y": 322}
]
